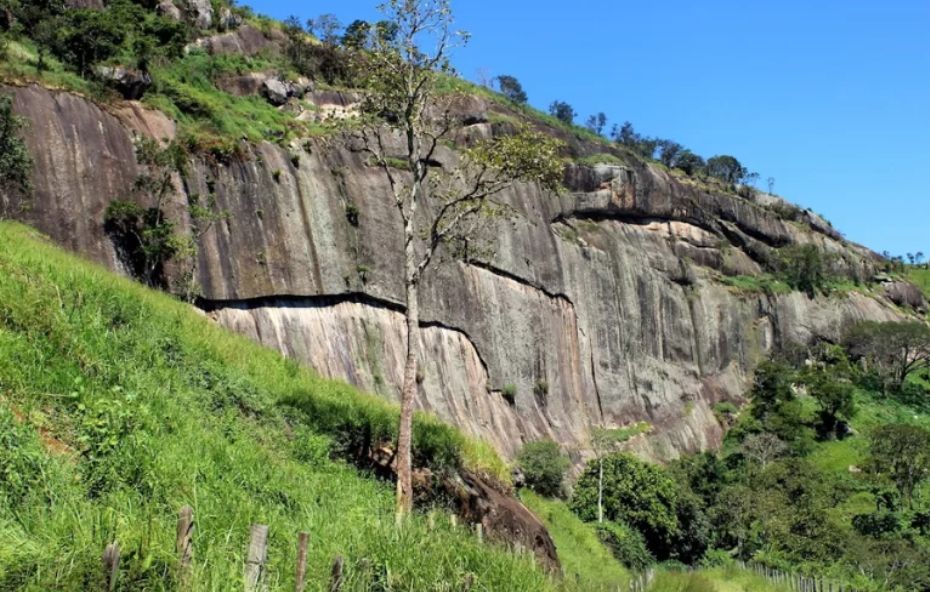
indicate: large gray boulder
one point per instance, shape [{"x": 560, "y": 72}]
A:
[{"x": 130, "y": 82}]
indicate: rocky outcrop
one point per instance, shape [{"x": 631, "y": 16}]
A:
[
  {"x": 245, "y": 40},
  {"x": 906, "y": 294},
  {"x": 600, "y": 307},
  {"x": 503, "y": 519},
  {"x": 130, "y": 82}
]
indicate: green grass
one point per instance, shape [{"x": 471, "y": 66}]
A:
[
  {"x": 185, "y": 90},
  {"x": 602, "y": 158},
  {"x": 118, "y": 405},
  {"x": 584, "y": 559},
  {"x": 756, "y": 284},
  {"x": 21, "y": 66},
  {"x": 713, "y": 580},
  {"x": 921, "y": 278}
]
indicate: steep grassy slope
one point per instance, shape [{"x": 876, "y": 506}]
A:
[
  {"x": 920, "y": 277},
  {"x": 584, "y": 559},
  {"x": 118, "y": 405}
]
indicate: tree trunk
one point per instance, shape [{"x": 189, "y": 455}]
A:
[
  {"x": 600, "y": 491},
  {"x": 408, "y": 394}
]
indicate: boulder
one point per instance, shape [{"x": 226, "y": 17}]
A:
[
  {"x": 228, "y": 20},
  {"x": 502, "y": 517},
  {"x": 279, "y": 91},
  {"x": 246, "y": 40},
  {"x": 276, "y": 91},
  {"x": 167, "y": 8},
  {"x": 244, "y": 85},
  {"x": 907, "y": 295},
  {"x": 130, "y": 82},
  {"x": 201, "y": 13}
]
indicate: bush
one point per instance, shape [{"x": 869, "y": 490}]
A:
[
  {"x": 805, "y": 268},
  {"x": 626, "y": 544},
  {"x": 634, "y": 492},
  {"x": 543, "y": 466},
  {"x": 509, "y": 392},
  {"x": 15, "y": 163}
]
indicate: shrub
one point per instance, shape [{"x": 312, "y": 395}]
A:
[
  {"x": 15, "y": 163},
  {"x": 511, "y": 88},
  {"x": 543, "y": 465},
  {"x": 626, "y": 544},
  {"x": 312, "y": 448},
  {"x": 805, "y": 268},
  {"x": 563, "y": 112},
  {"x": 636, "y": 493},
  {"x": 509, "y": 392}
]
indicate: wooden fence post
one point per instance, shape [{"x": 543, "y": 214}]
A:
[
  {"x": 110, "y": 567},
  {"x": 335, "y": 582},
  {"x": 479, "y": 530},
  {"x": 184, "y": 545},
  {"x": 300, "y": 579},
  {"x": 256, "y": 557}
]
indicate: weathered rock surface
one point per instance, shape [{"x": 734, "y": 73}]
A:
[
  {"x": 245, "y": 40},
  {"x": 130, "y": 82},
  {"x": 907, "y": 295},
  {"x": 602, "y": 307}
]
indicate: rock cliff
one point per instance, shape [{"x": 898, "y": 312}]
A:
[{"x": 603, "y": 306}]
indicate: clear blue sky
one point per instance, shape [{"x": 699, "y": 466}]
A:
[{"x": 829, "y": 97}]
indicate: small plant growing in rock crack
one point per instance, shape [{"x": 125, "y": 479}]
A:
[
  {"x": 509, "y": 392},
  {"x": 276, "y": 175},
  {"x": 352, "y": 214},
  {"x": 295, "y": 160},
  {"x": 363, "y": 271}
]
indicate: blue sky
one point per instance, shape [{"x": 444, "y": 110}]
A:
[{"x": 829, "y": 97}]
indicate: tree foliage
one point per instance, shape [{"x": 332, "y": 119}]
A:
[
  {"x": 894, "y": 351},
  {"x": 900, "y": 453},
  {"x": 543, "y": 465},
  {"x": 596, "y": 123},
  {"x": 15, "y": 162},
  {"x": 805, "y": 267},
  {"x": 635, "y": 493},
  {"x": 563, "y": 112},
  {"x": 727, "y": 168},
  {"x": 511, "y": 88}
]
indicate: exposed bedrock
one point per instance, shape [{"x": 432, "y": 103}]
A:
[{"x": 599, "y": 307}]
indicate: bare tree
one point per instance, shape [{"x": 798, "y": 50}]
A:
[
  {"x": 763, "y": 448},
  {"x": 405, "y": 112}
]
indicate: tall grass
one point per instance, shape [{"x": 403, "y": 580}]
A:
[
  {"x": 585, "y": 560},
  {"x": 119, "y": 405}
]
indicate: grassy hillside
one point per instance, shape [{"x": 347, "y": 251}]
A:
[
  {"x": 583, "y": 557},
  {"x": 920, "y": 277},
  {"x": 118, "y": 405}
]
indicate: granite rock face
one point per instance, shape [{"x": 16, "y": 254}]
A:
[{"x": 600, "y": 307}]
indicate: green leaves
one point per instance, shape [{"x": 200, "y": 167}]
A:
[
  {"x": 15, "y": 162},
  {"x": 635, "y": 493},
  {"x": 528, "y": 156},
  {"x": 543, "y": 465}
]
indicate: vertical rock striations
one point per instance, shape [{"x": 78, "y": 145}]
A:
[{"x": 600, "y": 307}]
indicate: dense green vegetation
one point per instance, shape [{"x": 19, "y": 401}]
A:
[
  {"x": 120, "y": 404},
  {"x": 15, "y": 162},
  {"x": 826, "y": 472}
]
